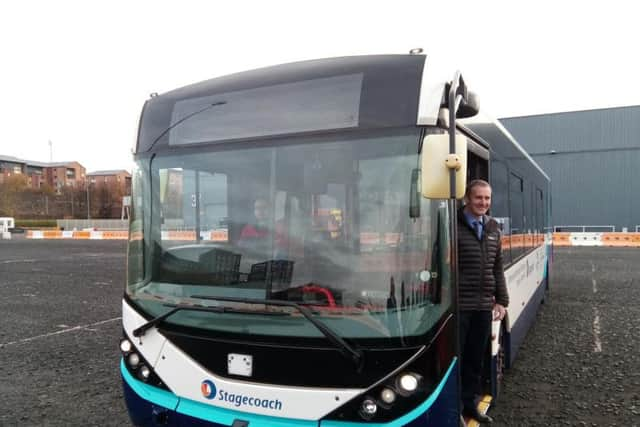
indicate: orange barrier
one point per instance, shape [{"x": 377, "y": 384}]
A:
[
  {"x": 517, "y": 240},
  {"x": 528, "y": 240},
  {"x": 220, "y": 236},
  {"x": 562, "y": 239},
  {"x": 115, "y": 235},
  {"x": 618, "y": 239},
  {"x": 506, "y": 242},
  {"x": 68, "y": 234},
  {"x": 392, "y": 238},
  {"x": 182, "y": 235},
  {"x": 366, "y": 238}
]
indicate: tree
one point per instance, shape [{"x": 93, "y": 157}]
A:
[{"x": 10, "y": 190}]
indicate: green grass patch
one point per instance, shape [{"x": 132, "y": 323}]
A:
[{"x": 35, "y": 223}]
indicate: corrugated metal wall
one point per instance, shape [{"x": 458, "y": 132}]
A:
[{"x": 595, "y": 171}]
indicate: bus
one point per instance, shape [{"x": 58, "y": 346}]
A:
[{"x": 292, "y": 248}]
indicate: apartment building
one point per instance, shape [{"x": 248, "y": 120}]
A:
[
  {"x": 56, "y": 174},
  {"x": 120, "y": 177}
]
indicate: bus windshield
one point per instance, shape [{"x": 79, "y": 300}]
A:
[{"x": 324, "y": 222}]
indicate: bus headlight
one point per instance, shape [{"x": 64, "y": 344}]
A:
[
  {"x": 133, "y": 360},
  {"x": 427, "y": 374},
  {"x": 409, "y": 382},
  {"x": 388, "y": 396},
  {"x": 368, "y": 408},
  {"x": 125, "y": 346},
  {"x": 145, "y": 372},
  {"x": 137, "y": 366}
]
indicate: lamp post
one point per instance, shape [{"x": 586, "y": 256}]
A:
[{"x": 88, "y": 200}]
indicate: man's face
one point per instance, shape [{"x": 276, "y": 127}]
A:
[
  {"x": 479, "y": 200},
  {"x": 261, "y": 210}
]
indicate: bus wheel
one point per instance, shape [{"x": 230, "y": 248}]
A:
[{"x": 500, "y": 366}]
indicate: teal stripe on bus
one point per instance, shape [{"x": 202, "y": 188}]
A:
[
  {"x": 203, "y": 411},
  {"x": 152, "y": 394},
  {"x": 405, "y": 419},
  {"x": 227, "y": 416}
]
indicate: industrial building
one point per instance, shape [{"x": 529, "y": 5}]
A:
[{"x": 593, "y": 159}]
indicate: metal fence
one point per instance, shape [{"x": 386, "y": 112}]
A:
[
  {"x": 94, "y": 224},
  {"x": 584, "y": 228}
]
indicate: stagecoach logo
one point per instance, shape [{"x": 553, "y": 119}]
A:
[{"x": 208, "y": 389}]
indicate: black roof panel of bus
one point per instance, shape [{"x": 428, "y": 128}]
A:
[{"x": 382, "y": 92}]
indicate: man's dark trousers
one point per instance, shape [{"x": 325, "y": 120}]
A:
[{"x": 475, "y": 329}]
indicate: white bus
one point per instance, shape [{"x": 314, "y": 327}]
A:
[{"x": 292, "y": 248}]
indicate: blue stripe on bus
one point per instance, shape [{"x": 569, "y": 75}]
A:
[
  {"x": 152, "y": 394},
  {"x": 405, "y": 419},
  {"x": 227, "y": 416}
]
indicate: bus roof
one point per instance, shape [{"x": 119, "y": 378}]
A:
[
  {"x": 358, "y": 92},
  {"x": 495, "y": 134}
]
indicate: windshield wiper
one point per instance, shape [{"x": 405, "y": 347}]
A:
[
  {"x": 345, "y": 348},
  {"x": 159, "y": 319}
]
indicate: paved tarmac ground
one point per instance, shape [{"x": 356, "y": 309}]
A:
[
  {"x": 60, "y": 304},
  {"x": 60, "y": 308},
  {"x": 580, "y": 363}
]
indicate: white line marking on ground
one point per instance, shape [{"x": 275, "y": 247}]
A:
[
  {"x": 11, "y": 261},
  {"x": 597, "y": 346},
  {"x": 595, "y": 286},
  {"x": 593, "y": 267},
  {"x": 75, "y": 328}
]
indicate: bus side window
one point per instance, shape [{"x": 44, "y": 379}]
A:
[{"x": 477, "y": 167}]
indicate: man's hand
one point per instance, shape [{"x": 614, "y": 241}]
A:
[{"x": 499, "y": 312}]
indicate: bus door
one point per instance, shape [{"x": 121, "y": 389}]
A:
[{"x": 477, "y": 161}]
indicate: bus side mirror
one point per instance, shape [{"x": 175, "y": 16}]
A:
[
  {"x": 468, "y": 107},
  {"x": 436, "y": 163}
]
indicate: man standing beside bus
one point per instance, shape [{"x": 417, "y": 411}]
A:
[{"x": 482, "y": 289}]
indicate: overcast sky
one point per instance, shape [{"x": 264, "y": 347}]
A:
[{"x": 77, "y": 72}]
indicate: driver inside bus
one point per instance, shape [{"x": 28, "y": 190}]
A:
[{"x": 261, "y": 230}]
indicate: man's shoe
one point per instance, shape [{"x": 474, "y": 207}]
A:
[{"x": 479, "y": 417}]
